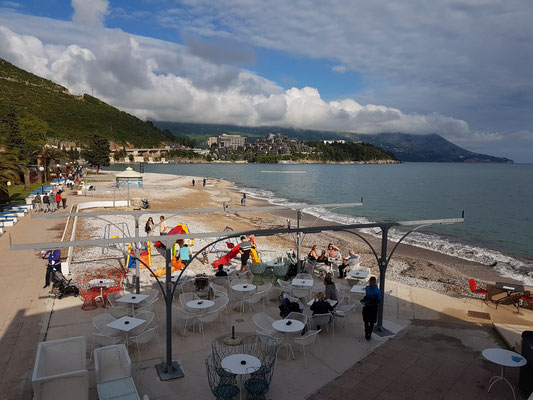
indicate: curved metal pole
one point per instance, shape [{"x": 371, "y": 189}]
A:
[
  {"x": 402, "y": 238},
  {"x": 364, "y": 240}
]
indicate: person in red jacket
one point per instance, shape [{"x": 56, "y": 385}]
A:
[{"x": 58, "y": 199}]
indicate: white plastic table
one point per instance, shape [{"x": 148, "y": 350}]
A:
[
  {"x": 126, "y": 324},
  {"x": 123, "y": 389},
  {"x": 288, "y": 327},
  {"x": 102, "y": 284},
  {"x": 200, "y": 304},
  {"x": 243, "y": 288},
  {"x": 330, "y": 301},
  {"x": 358, "y": 273},
  {"x": 504, "y": 358},
  {"x": 132, "y": 299},
  {"x": 356, "y": 289},
  {"x": 240, "y": 364},
  {"x": 308, "y": 283}
]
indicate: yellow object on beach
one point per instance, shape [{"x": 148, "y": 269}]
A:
[{"x": 254, "y": 256}]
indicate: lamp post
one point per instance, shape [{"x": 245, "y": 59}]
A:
[{"x": 41, "y": 169}]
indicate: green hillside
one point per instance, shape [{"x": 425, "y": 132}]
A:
[{"x": 71, "y": 118}]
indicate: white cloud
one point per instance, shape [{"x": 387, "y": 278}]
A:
[
  {"x": 339, "y": 68},
  {"x": 158, "y": 80},
  {"x": 90, "y": 13}
]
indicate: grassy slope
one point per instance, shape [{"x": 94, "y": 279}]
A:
[{"x": 70, "y": 117}]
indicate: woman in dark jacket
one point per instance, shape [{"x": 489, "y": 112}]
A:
[
  {"x": 321, "y": 305},
  {"x": 371, "y": 302}
]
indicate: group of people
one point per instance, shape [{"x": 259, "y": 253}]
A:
[
  {"x": 51, "y": 202},
  {"x": 370, "y": 301},
  {"x": 332, "y": 253},
  {"x": 204, "y": 182}
]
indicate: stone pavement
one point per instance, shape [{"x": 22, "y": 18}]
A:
[
  {"x": 426, "y": 361},
  {"x": 25, "y": 307}
]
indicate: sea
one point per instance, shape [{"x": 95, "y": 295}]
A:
[{"x": 497, "y": 200}]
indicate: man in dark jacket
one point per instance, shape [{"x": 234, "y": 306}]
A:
[
  {"x": 371, "y": 302},
  {"x": 54, "y": 262}
]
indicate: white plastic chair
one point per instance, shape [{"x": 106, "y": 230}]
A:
[
  {"x": 298, "y": 316},
  {"x": 264, "y": 322},
  {"x": 255, "y": 298},
  {"x": 344, "y": 310},
  {"x": 111, "y": 363},
  {"x": 267, "y": 287},
  {"x": 285, "y": 286},
  {"x": 144, "y": 338},
  {"x": 323, "y": 320},
  {"x": 210, "y": 316},
  {"x": 218, "y": 290},
  {"x": 181, "y": 318},
  {"x": 306, "y": 340},
  {"x": 148, "y": 317},
  {"x": 60, "y": 370},
  {"x": 116, "y": 309}
]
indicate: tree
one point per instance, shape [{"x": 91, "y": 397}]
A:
[
  {"x": 97, "y": 153},
  {"x": 10, "y": 170}
]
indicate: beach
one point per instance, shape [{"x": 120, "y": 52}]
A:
[{"x": 410, "y": 265}]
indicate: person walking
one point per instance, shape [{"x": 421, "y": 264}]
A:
[
  {"x": 204, "y": 182},
  {"x": 245, "y": 250},
  {"x": 53, "y": 204},
  {"x": 243, "y": 200},
  {"x": 193, "y": 182},
  {"x": 162, "y": 226},
  {"x": 371, "y": 303},
  {"x": 37, "y": 202},
  {"x": 58, "y": 200},
  {"x": 64, "y": 199}
]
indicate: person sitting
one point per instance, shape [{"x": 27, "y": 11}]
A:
[
  {"x": 321, "y": 305},
  {"x": 313, "y": 254},
  {"x": 348, "y": 262},
  {"x": 331, "y": 290},
  {"x": 221, "y": 271},
  {"x": 332, "y": 252}
]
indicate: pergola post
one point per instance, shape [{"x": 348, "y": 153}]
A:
[
  {"x": 169, "y": 369},
  {"x": 383, "y": 263}
]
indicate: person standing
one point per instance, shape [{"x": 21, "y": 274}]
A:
[
  {"x": 53, "y": 204},
  {"x": 184, "y": 254},
  {"x": 243, "y": 200},
  {"x": 37, "y": 202},
  {"x": 58, "y": 199},
  {"x": 162, "y": 225},
  {"x": 204, "y": 182},
  {"x": 64, "y": 199},
  {"x": 245, "y": 250},
  {"x": 54, "y": 262},
  {"x": 193, "y": 182},
  {"x": 46, "y": 203},
  {"x": 371, "y": 303},
  {"x": 149, "y": 227}
]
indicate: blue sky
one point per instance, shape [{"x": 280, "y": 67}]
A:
[{"x": 459, "y": 68}]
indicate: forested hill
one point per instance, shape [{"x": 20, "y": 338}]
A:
[
  {"x": 69, "y": 117},
  {"x": 405, "y": 147}
]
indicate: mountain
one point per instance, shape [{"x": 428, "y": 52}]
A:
[
  {"x": 69, "y": 117},
  {"x": 427, "y": 148},
  {"x": 405, "y": 147}
]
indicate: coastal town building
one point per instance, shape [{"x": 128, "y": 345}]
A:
[{"x": 231, "y": 141}]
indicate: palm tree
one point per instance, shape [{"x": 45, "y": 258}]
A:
[{"x": 10, "y": 170}]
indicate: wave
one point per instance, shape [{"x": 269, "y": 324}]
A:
[{"x": 507, "y": 266}]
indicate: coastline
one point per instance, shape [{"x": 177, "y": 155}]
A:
[{"x": 410, "y": 265}]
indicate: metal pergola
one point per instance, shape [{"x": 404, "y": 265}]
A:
[
  {"x": 136, "y": 214},
  {"x": 171, "y": 369}
]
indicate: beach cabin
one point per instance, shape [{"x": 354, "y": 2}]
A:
[{"x": 129, "y": 178}]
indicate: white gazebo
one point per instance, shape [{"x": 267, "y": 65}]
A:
[{"x": 128, "y": 178}]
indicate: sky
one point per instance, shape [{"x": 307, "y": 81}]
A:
[{"x": 460, "y": 68}]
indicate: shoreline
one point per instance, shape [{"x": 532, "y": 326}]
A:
[{"x": 410, "y": 265}]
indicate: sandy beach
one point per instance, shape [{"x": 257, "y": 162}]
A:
[{"x": 410, "y": 265}]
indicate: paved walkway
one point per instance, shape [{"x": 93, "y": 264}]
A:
[
  {"x": 426, "y": 361},
  {"x": 25, "y": 306}
]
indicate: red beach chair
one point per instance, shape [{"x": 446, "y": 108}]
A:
[{"x": 474, "y": 288}]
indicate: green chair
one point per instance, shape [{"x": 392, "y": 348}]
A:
[
  {"x": 258, "y": 270},
  {"x": 221, "y": 387},
  {"x": 259, "y": 382},
  {"x": 280, "y": 271}
]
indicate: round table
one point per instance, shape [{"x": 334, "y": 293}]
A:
[
  {"x": 292, "y": 328},
  {"x": 102, "y": 284},
  {"x": 504, "y": 358},
  {"x": 234, "y": 363},
  {"x": 244, "y": 287},
  {"x": 200, "y": 304}
]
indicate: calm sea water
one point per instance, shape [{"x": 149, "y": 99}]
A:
[{"x": 497, "y": 200}]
